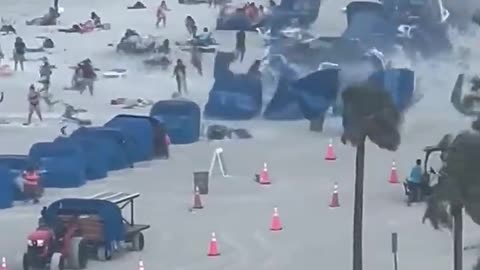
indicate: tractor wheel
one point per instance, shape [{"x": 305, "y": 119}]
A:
[
  {"x": 78, "y": 253},
  {"x": 103, "y": 254},
  {"x": 57, "y": 262},
  {"x": 138, "y": 241}
]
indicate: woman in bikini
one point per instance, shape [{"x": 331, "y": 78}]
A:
[{"x": 33, "y": 104}]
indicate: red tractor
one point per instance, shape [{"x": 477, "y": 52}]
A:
[
  {"x": 56, "y": 249},
  {"x": 72, "y": 229}
]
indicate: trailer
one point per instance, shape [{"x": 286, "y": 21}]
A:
[{"x": 71, "y": 230}]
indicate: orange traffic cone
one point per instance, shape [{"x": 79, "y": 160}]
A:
[
  {"x": 264, "y": 177},
  {"x": 4, "y": 264},
  {"x": 197, "y": 202},
  {"x": 330, "y": 155},
  {"x": 335, "y": 202},
  {"x": 140, "y": 265},
  {"x": 276, "y": 224},
  {"x": 393, "y": 174},
  {"x": 213, "y": 248}
]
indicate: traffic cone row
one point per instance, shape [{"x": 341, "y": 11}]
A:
[{"x": 276, "y": 225}]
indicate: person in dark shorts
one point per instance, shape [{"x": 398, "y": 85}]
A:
[
  {"x": 19, "y": 52},
  {"x": 180, "y": 74}
]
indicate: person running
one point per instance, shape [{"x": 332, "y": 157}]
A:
[
  {"x": 19, "y": 52},
  {"x": 191, "y": 26},
  {"x": 162, "y": 14},
  {"x": 240, "y": 45},
  {"x": 196, "y": 59},
  {"x": 180, "y": 74},
  {"x": 89, "y": 76},
  {"x": 45, "y": 74},
  {"x": 33, "y": 98}
]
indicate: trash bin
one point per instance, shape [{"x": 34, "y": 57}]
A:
[
  {"x": 200, "y": 180},
  {"x": 316, "y": 125}
]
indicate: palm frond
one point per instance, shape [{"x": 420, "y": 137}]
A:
[{"x": 370, "y": 111}]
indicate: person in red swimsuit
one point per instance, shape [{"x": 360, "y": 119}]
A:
[{"x": 31, "y": 184}]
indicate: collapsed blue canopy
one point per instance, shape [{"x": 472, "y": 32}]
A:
[
  {"x": 7, "y": 187},
  {"x": 140, "y": 130},
  {"x": 284, "y": 104},
  {"x": 233, "y": 96},
  {"x": 399, "y": 82},
  {"x": 317, "y": 92},
  {"x": 16, "y": 163},
  {"x": 235, "y": 21},
  {"x": 96, "y": 157},
  {"x": 62, "y": 162},
  {"x": 115, "y": 144},
  {"x": 181, "y": 118},
  {"x": 109, "y": 212},
  {"x": 367, "y": 21}
]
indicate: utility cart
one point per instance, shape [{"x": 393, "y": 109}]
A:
[{"x": 70, "y": 230}]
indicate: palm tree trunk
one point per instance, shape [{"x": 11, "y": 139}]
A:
[
  {"x": 457, "y": 214},
  {"x": 358, "y": 207}
]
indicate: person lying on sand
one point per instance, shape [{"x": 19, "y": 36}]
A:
[
  {"x": 48, "y": 19},
  {"x": 131, "y": 103},
  {"x": 70, "y": 115},
  {"x": 158, "y": 59},
  {"x": 81, "y": 28}
]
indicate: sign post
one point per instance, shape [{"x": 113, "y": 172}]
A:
[
  {"x": 219, "y": 159},
  {"x": 395, "y": 250}
]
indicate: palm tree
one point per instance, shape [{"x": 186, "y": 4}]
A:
[
  {"x": 458, "y": 188},
  {"x": 368, "y": 112}
]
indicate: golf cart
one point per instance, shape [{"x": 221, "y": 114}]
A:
[
  {"x": 428, "y": 173},
  {"x": 70, "y": 230}
]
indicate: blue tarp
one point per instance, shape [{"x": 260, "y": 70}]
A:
[
  {"x": 62, "y": 163},
  {"x": 181, "y": 118},
  {"x": 234, "y": 22},
  {"x": 140, "y": 130},
  {"x": 7, "y": 187},
  {"x": 233, "y": 96},
  {"x": 95, "y": 156},
  {"x": 16, "y": 163},
  {"x": 317, "y": 92},
  {"x": 284, "y": 104},
  {"x": 367, "y": 22},
  {"x": 118, "y": 148},
  {"x": 399, "y": 82},
  {"x": 109, "y": 212}
]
